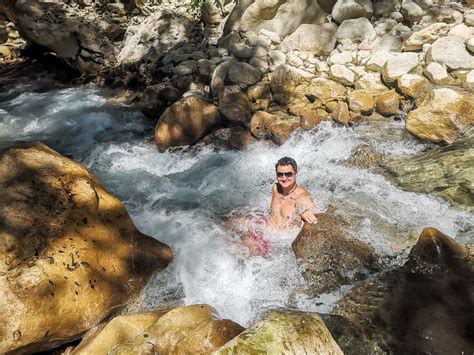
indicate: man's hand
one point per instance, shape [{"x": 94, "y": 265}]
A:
[
  {"x": 275, "y": 188},
  {"x": 309, "y": 217}
]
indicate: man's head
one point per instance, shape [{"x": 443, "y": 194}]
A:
[{"x": 286, "y": 170}]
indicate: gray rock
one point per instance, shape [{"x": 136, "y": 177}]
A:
[
  {"x": 277, "y": 57},
  {"x": 450, "y": 52},
  {"x": 258, "y": 40},
  {"x": 356, "y": 30},
  {"x": 342, "y": 74},
  {"x": 185, "y": 68},
  {"x": 469, "y": 17},
  {"x": 351, "y": 9},
  {"x": 204, "y": 70},
  {"x": 319, "y": 39},
  {"x": 241, "y": 51},
  {"x": 235, "y": 106},
  {"x": 244, "y": 73},
  {"x": 259, "y": 63},
  {"x": 395, "y": 67},
  {"x": 411, "y": 11},
  {"x": 219, "y": 77}
]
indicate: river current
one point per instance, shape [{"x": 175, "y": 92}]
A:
[{"x": 180, "y": 196}]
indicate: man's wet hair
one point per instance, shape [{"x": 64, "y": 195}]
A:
[{"x": 287, "y": 161}]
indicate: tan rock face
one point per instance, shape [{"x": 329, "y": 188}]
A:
[
  {"x": 428, "y": 34},
  {"x": 284, "y": 332},
  {"x": 277, "y": 127},
  {"x": 186, "y": 121},
  {"x": 341, "y": 113},
  {"x": 361, "y": 101},
  {"x": 413, "y": 85},
  {"x": 388, "y": 103},
  {"x": 69, "y": 253},
  {"x": 282, "y": 17},
  {"x": 328, "y": 256},
  {"x": 195, "y": 329},
  {"x": 442, "y": 116},
  {"x": 319, "y": 39}
]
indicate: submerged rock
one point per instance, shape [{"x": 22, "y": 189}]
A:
[
  {"x": 69, "y": 253},
  {"x": 328, "y": 256},
  {"x": 426, "y": 306},
  {"x": 186, "y": 121},
  {"x": 284, "y": 332},
  {"x": 447, "y": 172},
  {"x": 195, "y": 329}
]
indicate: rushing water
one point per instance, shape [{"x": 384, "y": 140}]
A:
[{"x": 181, "y": 196}]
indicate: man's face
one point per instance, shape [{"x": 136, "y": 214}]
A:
[{"x": 286, "y": 176}]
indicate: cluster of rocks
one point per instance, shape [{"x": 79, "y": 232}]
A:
[
  {"x": 270, "y": 68},
  {"x": 11, "y": 43}
]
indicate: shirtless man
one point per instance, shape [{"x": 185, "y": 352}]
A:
[{"x": 291, "y": 204}]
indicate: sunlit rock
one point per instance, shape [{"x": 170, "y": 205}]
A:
[
  {"x": 414, "y": 86},
  {"x": 318, "y": 39},
  {"x": 357, "y": 30},
  {"x": 450, "y": 52},
  {"x": 341, "y": 113},
  {"x": 437, "y": 74},
  {"x": 281, "y": 17},
  {"x": 447, "y": 172},
  {"x": 442, "y": 116},
  {"x": 371, "y": 82},
  {"x": 361, "y": 101},
  {"x": 283, "y": 332},
  {"x": 195, "y": 329},
  {"x": 422, "y": 307},
  {"x": 342, "y": 74},
  {"x": 186, "y": 121},
  {"x": 69, "y": 253},
  {"x": 276, "y": 127},
  {"x": 378, "y": 60},
  {"x": 395, "y": 67},
  {"x": 428, "y": 34},
  {"x": 388, "y": 103},
  {"x": 411, "y": 11},
  {"x": 328, "y": 256}
]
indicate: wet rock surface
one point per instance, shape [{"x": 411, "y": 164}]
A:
[
  {"x": 424, "y": 306},
  {"x": 282, "y": 332},
  {"x": 447, "y": 172},
  {"x": 328, "y": 256}
]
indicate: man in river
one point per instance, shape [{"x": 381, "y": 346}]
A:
[{"x": 291, "y": 205}]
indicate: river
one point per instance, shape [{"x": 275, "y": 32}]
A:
[{"x": 180, "y": 196}]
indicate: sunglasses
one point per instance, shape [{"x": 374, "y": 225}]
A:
[{"x": 287, "y": 175}]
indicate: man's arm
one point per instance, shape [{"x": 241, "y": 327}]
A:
[{"x": 307, "y": 208}]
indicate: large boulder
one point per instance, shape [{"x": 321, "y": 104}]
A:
[
  {"x": 451, "y": 52},
  {"x": 84, "y": 43},
  {"x": 350, "y": 9},
  {"x": 357, "y": 30},
  {"x": 319, "y": 39},
  {"x": 423, "y": 307},
  {"x": 186, "y": 121},
  {"x": 442, "y": 117},
  {"x": 281, "y": 17},
  {"x": 399, "y": 65},
  {"x": 328, "y": 256},
  {"x": 428, "y": 34},
  {"x": 414, "y": 86},
  {"x": 243, "y": 73},
  {"x": 69, "y": 253},
  {"x": 447, "y": 172},
  {"x": 284, "y": 332},
  {"x": 195, "y": 329}
]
